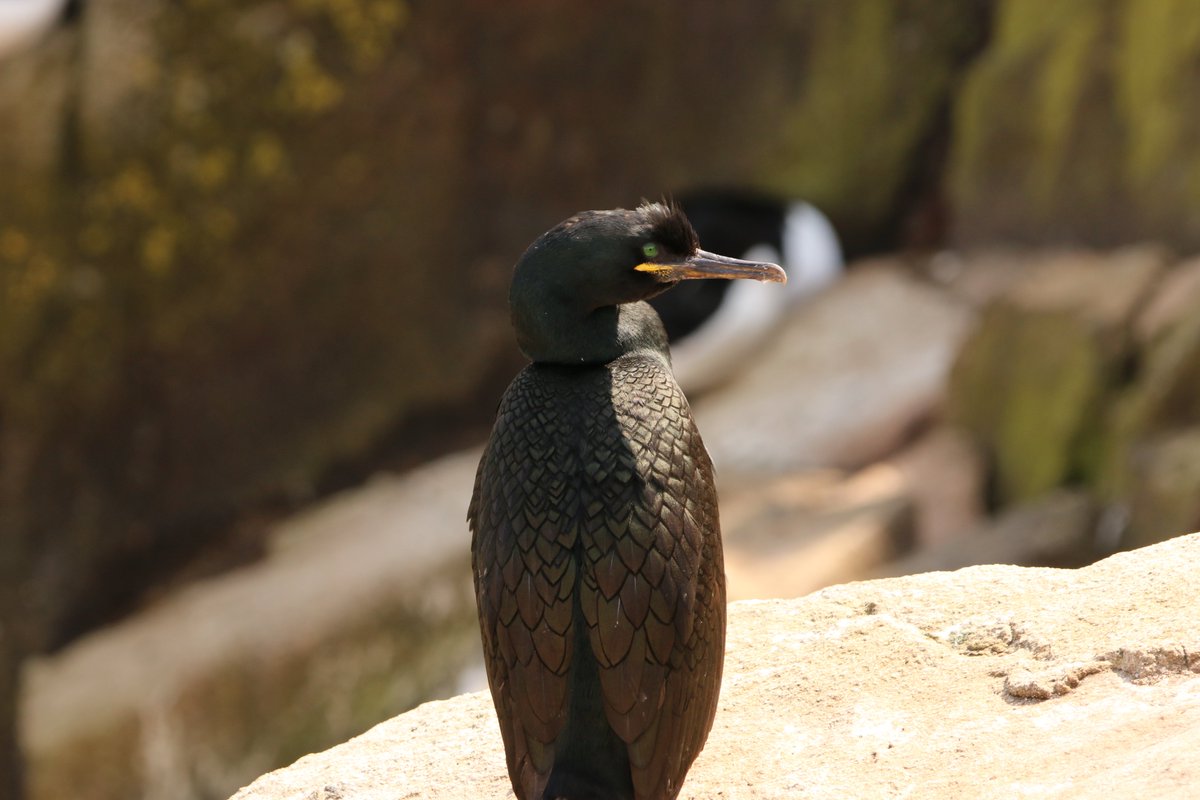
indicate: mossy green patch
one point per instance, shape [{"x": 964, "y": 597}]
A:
[
  {"x": 1081, "y": 122},
  {"x": 1026, "y": 384},
  {"x": 1164, "y": 399},
  {"x": 850, "y": 150},
  {"x": 168, "y": 350},
  {"x": 365, "y": 27},
  {"x": 1156, "y": 65}
]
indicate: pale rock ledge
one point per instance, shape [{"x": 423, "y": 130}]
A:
[{"x": 990, "y": 682}]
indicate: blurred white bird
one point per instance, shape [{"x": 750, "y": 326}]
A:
[
  {"x": 22, "y": 22},
  {"x": 715, "y": 325}
]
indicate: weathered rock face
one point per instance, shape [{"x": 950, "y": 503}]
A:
[
  {"x": 991, "y": 682},
  {"x": 831, "y": 149},
  {"x": 794, "y": 534},
  {"x": 362, "y": 609},
  {"x": 363, "y": 605},
  {"x": 1057, "y": 529},
  {"x": 1083, "y": 370},
  {"x": 247, "y": 239},
  {"x": 1035, "y": 376},
  {"x": 845, "y": 382},
  {"x": 1155, "y": 444},
  {"x": 209, "y": 302},
  {"x": 1104, "y": 147},
  {"x": 240, "y": 241},
  {"x": 945, "y": 472},
  {"x": 243, "y": 240}
]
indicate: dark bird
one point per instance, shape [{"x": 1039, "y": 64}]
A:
[
  {"x": 716, "y": 327},
  {"x": 596, "y": 544}
]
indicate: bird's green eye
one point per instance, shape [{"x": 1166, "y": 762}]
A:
[{"x": 650, "y": 250}]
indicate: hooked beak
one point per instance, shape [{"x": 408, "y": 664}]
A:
[{"x": 702, "y": 264}]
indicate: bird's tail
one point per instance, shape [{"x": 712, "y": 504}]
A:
[{"x": 591, "y": 762}]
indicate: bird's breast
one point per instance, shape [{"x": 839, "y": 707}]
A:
[{"x": 613, "y": 440}]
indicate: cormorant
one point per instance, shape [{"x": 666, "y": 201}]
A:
[
  {"x": 596, "y": 545},
  {"x": 715, "y": 326}
]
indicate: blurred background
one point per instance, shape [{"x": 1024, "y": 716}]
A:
[{"x": 254, "y": 258}]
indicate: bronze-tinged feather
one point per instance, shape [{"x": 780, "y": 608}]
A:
[
  {"x": 596, "y": 546},
  {"x": 634, "y": 570}
]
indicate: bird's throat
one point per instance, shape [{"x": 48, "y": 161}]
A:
[{"x": 571, "y": 336}]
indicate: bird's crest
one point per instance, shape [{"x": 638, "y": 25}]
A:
[{"x": 670, "y": 227}]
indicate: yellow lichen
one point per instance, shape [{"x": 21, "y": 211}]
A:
[
  {"x": 392, "y": 13},
  {"x": 14, "y": 245},
  {"x": 266, "y": 157},
  {"x": 307, "y": 86},
  {"x": 158, "y": 249},
  {"x": 366, "y": 27},
  {"x": 1067, "y": 68},
  {"x": 133, "y": 188},
  {"x": 1041, "y": 58},
  {"x": 191, "y": 95},
  {"x": 35, "y": 281},
  {"x": 1159, "y": 42},
  {"x": 213, "y": 168}
]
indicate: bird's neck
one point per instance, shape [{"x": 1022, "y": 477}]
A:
[{"x": 559, "y": 334}]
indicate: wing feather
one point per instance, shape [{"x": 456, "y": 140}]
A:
[
  {"x": 606, "y": 519},
  {"x": 522, "y": 558},
  {"x": 658, "y": 625}
]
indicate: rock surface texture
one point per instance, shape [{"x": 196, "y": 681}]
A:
[
  {"x": 1107, "y": 129},
  {"x": 844, "y": 382},
  {"x": 991, "y": 682},
  {"x": 363, "y": 605},
  {"x": 212, "y": 206},
  {"x": 1084, "y": 369},
  {"x": 338, "y": 628}
]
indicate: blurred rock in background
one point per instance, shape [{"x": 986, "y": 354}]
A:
[
  {"x": 362, "y": 605},
  {"x": 253, "y": 252},
  {"x": 1079, "y": 123},
  {"x": 250, "y": 244}
]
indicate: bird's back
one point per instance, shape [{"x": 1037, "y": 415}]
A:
[{"x": 598, "y": 572}]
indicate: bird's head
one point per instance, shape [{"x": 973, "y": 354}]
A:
[{"x": 575, "y": 291}]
